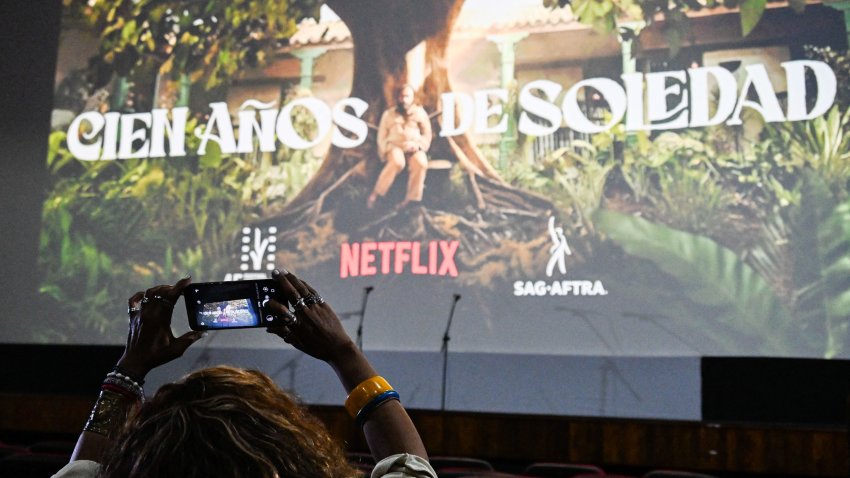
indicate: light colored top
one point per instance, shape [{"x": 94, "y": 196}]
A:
[
  {"x": 395, "y": 129},
  {"x": 403, "y": 466},
  {"x": 395, "y": 466}
]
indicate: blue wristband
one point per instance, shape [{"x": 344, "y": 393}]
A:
[{"x": 364, "y": 413}]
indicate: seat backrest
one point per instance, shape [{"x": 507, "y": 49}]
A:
[
  {"x": 359, "y": 458},
  {"x": 479, "y": 474},
  {"x": 675, "y": 474},
  {"x": 562, "y": 470},
  {"x": 439, "y": 462}
]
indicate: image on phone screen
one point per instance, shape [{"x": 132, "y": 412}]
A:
[
  {"x": 230, "y": 305},
  {"x": 229, "y": 313}
]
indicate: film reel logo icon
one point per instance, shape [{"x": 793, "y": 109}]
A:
[{"x": 258, "y": 248}]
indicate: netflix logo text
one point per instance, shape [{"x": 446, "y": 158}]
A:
[{"x": 398, "y": 257}]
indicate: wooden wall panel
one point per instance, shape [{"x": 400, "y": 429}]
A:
[{"x": 710, "y": 447}]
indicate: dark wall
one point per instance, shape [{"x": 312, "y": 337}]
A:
[
  {"x": 773, "y": 390},
  {"x": 30, "y": 35}
]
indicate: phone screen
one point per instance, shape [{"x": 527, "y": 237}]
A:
[{"x": 230, "y": 305}]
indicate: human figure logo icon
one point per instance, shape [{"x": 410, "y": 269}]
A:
[{"x": 559, "y": 250}]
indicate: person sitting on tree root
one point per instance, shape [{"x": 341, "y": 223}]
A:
[{"x": 404, "y": 135}]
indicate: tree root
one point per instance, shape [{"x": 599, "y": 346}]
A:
[{"x": 358, "y": 169}]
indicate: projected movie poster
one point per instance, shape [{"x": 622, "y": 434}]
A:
[{"x": 576, "y": 183}]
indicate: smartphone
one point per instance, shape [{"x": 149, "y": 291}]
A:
[{"x": 231, "y": 305}]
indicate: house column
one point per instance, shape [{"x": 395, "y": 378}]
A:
[
  {"x": 308, "y": 57},
  {"x": 185, "y": 86},
  {"x": 630, "y": 64},
  {"x": 507, "y": 47},
  {"x": 122, "y": 87},
  {"x": 627, "y": 47}
]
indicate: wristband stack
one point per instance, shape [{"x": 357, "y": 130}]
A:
[
  {"x": 118, "y": 393},
  {"x": 367, "y": 396},
  {"x": 120, "y": 381}
]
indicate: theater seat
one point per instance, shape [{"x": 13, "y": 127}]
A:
[
  {"x": 675, "y": 474},
  {"x": 562, "y": 470},
  {"x": 459, "y": 463},
  {"x": 478, "y": 474},
  {"x": 7, "y": 449},
  {"x": 360, "y": 458}
]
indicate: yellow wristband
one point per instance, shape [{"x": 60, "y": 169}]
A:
[{"x": 364, "y": 393}]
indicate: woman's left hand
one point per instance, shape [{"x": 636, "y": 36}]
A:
[{"x": 150, "y": 342}]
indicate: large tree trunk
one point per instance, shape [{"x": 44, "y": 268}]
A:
[{"x": 384, "y": 32}]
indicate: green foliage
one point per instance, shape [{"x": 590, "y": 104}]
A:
[
  {"x": 821, "y": 245},
  {"x": 691, "y": 198},
  {"x": 147, "y": 221},
  {"x": 771, "y": 257},
  {"x": 795, "y": 178},
  {"x": 638, "y": 166},
  {"x": 211, "y": 40},
  {"x": 581, "y": 177},
  {"x": 621, "y": 15},
  {"x": 839, "y": 62},
  {"x": 716, "y": 285},
  {"x": 822, "y": 144},
  {"x": 572, "y": 176},
  {"x": 678, "y": 174},
  {"x": 751, "y": 12},
  {"x": 75, "y": 256},
  {"x": 698, "y": 172},
  {"x": 834, "y": 238}
]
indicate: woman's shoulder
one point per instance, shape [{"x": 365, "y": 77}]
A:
[
  {"x": 78, "y": 469},
  {"x": 403, "y": 466}
]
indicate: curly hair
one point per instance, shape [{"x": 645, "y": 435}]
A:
[{"x": 225, "y": 422}]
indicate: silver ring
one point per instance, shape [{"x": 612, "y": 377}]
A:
[
  {"x": 314, "y": 299},
  {"x": 289, "y": 318},
  {"x": 300, "y": 304},
  {"x": 133, "y": 310}
]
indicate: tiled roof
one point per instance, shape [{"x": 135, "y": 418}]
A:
[
  {"x": 311, "y": 32},
  {"x": 524, "y": 17},
  {"x": 477, "y": 19},
  {"x": 486, "y": 17}
]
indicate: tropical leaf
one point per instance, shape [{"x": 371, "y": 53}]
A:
[
  {"x": 751, "y": 12},
  {"x": 824, "y": 301},
  {"x": 713, "y": 279},
  {"x": 822, "y": 143}
]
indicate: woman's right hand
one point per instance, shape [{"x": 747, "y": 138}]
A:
[
  {"x": 314, "y": 328},
  {"x": 150, "y": 341}
]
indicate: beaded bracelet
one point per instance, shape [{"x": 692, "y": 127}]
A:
[
  {"x": 126, "y": 384},
  {"x": 376, "y": 402},
  {"x": 126, "y": 377},
  {"x": 127, "y": 374},
  {"x": 364, "y": 393}
]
